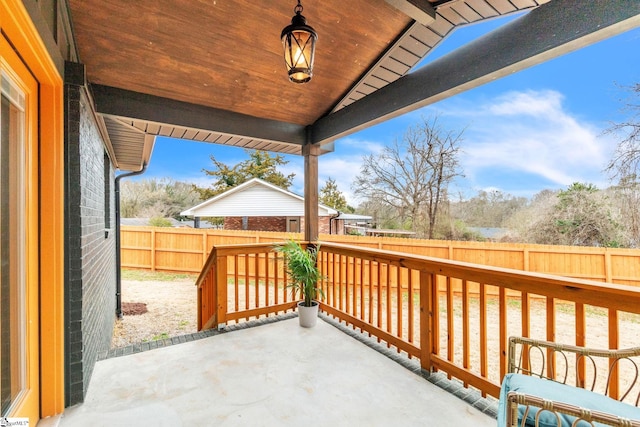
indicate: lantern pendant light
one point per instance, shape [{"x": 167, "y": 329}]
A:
[{"x": 299, "y": 43}]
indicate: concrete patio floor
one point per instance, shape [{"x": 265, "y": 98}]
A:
[{"x": 276, "y": 374}]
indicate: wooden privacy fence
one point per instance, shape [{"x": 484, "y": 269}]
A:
[
  {"x": 463, "y": 335},
  {"x": 186, "y": 250}
]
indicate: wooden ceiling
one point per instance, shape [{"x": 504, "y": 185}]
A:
[
  {"x": 212, "y": 70},
  {"x": 228, "y": 54}
]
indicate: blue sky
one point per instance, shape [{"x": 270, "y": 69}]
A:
[{"x": 540, "y": 128}]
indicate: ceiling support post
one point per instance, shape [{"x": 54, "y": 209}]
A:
[{"x": 311, "y": 153}]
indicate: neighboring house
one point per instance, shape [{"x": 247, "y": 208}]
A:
[
  {"x": 352, "y": 223},
  {"x": 259, "y": 205}
]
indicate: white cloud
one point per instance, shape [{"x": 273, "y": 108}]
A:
[
  {"x": 531, "y": 132},
  {"x": 344, "y": 164},
  {"x": 525, "y": 136}
]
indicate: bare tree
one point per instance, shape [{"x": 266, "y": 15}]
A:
[
  {"x": 412, "y": 175},
  {"x": 626, "y": 198},
  {"x": 626, "y": 158},
  {"x": 488, "y": 208},
  {"x": 153, "y": 197}
]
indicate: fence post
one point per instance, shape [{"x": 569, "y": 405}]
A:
[
  {"x": 153, "y": 249},
  {"x": 426, "y": 319},
  {"x": 204, "y": 247}
]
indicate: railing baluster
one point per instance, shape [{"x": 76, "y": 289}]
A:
[
  {"x": 580, "y": 341},
  {"x": 465, "y": 326},
  {"x": 334, "y": 299},
  {"x": 389, "y": 314},
  {"x": 246, "y": 282},
  {"x": 503, "y": 331},
  {"x": 276, "y": 278},
  {"x": 411, "y": 308},
  {"x": 614, "y": 382},
  {"x": 551, "y": 334},
  {"x": 354, "y": 292},
  {"x": 399, "y": 311},
  {"x": 371, "y": 293},
  {"x": 256, "y": 280},
  {"x": 435, "y": 321},
  {"x": 526, "y": 324},
  {"x": 378, "y": 282},
  {"x": 235, "y": 283},
  {"x": 361, "y": 275},
  {"x": 483, "y": 333},
  {"x": 266, "y": 279},
  {"x": 450, "y": 327}
]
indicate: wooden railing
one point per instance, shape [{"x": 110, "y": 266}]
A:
[
  {"x": 453, "y": 316},
  {"x": 255, "y": 285}
]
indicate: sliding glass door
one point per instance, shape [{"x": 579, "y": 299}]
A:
[{"x": 19, "y": 349}]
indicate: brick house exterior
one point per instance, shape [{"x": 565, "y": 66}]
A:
[{"x": 261, "y": 206}]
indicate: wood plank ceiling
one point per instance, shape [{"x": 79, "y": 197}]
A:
[{"x": 212, "y": 70}]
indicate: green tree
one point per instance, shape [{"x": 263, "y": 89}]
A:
[
  {"x": 581, "y": 216},
  {"x": 260, "y": 164},
  {"x": 331, "y": 196},
  {"x": 160, "y": 222}
]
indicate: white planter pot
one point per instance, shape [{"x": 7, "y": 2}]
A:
[{"x": 308, "y": 315}]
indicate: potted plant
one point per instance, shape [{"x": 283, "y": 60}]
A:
[{"x": 304, "y": 276}]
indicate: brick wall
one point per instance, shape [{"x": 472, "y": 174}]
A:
[
  {"x": 90, "y": 270},
  {"x": 259, "y": 223},
  {"x": 323, "y": 225},
  {"x": 273, "y": 223}
]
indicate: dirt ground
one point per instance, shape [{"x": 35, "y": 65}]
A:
[{"x": 171, "y": 310}]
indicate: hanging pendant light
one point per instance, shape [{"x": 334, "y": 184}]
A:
[{"x": 299, "y": 43}]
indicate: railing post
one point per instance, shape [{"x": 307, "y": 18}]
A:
[
  {"x": 200, "y": 323},
  {"x": 426, "y": 319},
  {"x": 221, "y": 291}
]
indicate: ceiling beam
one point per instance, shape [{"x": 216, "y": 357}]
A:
[
  {"x": 418, "y": 10},
  {"x": 550, "y": 30},
  {"x": 134, "y": 105}
]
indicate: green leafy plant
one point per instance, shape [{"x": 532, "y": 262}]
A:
[
  {"x": 302, "y": 269},
  {"x": 160, "y": 222}
]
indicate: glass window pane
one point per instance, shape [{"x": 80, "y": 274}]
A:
[{"x": 12, "y": 283}]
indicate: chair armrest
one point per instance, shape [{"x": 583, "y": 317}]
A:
[{"x": 585, "y": 367}]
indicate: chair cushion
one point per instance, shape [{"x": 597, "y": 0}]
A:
[{"x": 552, "y": 390}]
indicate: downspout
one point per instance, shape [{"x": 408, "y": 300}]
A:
[
  {"x": 118, "y": 267},
  {"x": 331, "y": 220}
]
